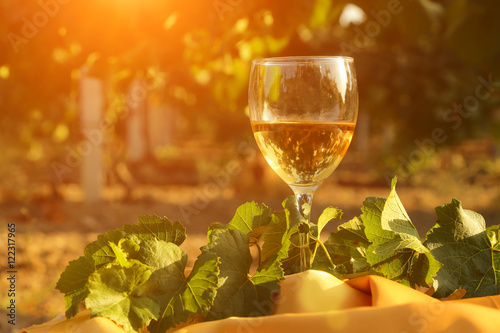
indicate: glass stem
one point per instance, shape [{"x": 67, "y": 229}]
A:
[{"x": 303, "y": 198}]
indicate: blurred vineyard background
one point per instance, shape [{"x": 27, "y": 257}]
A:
[{"x": 169, "y": 82}]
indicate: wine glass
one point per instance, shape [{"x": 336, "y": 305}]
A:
[{"x": 303, "y": 112}]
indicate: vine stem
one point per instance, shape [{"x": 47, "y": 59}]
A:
[
  {"x": 324, "y": 249},
  {"x": 260, "y": 252}
]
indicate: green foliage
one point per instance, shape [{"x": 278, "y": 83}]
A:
[
  {"x": 240, "y": 294},
  {"x": 182, "y": 296},
  {"x": 73, "y": 283},
  {"x": 251, "y": 219},
  {"x": 384, "y": 241},
  {"x": 469, "y": 251},
  {"x": 277, "y": 238},
  {"x": 281, "y": 240},
  {"x": 396, "y": 250},
  {"x": 148, "y": 227},
  {"x": 458, "y": 252},
  {"x": 346, "y": 250},
  {"x": 328, "y": 215},
  {"x": 135, "y": 276},
  {"x": 112, "y": 294},
  {"x": 140, "y": 279}
]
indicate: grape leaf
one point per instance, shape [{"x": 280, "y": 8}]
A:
[
  {"x": 281, "y": 239},
  {"x": 161, "y": 228},
  {"x": 346, "y": 248},
  {"x": 240, "y": 294},
  {"x": 396, "y": 250},
  {"x": 72, "y": 302},
  {"x": 159, "y": 254},
  {"x": 147, "y": 227},
  {"x": 328, "y": 215},
  {"x": 73, "y": 283},
  {"x": 180, "y": 296},
  {"x": 100, "y": 250},
  {"x": 120, "y": 242},
  {"x": 174, "y": 296},
  {"x": 470, "y": 253},
  {"x": 112, "y": 294},
  {"x": 126, "y": 248},
  {"x": 493, "y": 233},
  {"x": 75, "y": 276},
  {"x": 201, "y": 284},
  {"x": 215, "y": 226},
  {"x": 276, "y": 238},
  {"x": 250, "y": 218}
]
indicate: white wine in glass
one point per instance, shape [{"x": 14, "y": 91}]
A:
[{"x": 303, "y": 113}]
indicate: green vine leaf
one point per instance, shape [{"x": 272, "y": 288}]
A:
[
  {"x": 329, "y": 214},
  {"x": 73, "y": 283},
  {"x": 240, "y": 294},
  {"x": 281, "y": 239},
  {"x": 101, "y": 251},
  {"x": 250, "y": 218},
  {"x": 396, "y": 250},
  {"x": 470, "y": 253},
  {"x": 180, "y": 296},
  {"x": 111, "y": 294},
  {"x": 347, "y": 250},
  {"x": 161, "y": 228}
]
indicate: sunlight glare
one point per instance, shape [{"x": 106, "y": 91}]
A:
[
  {"x": 351, "y": 14},
  {"x": 4, "y": 72},
  {"x": 170, "y": 21}
]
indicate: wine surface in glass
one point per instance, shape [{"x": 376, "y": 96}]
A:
[{"x": 303, "y": 153}]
